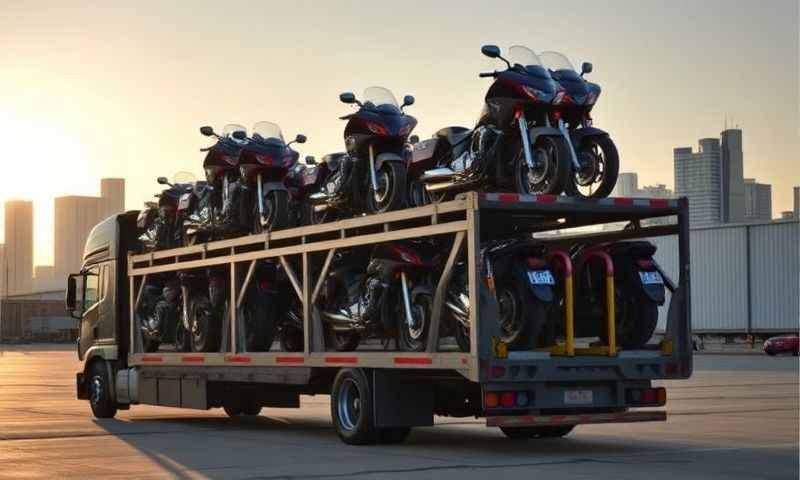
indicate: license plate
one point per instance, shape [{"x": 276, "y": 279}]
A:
[
  {"x": 650, "y": 278},
  {"x": 541, "y": 277},
  {"x": 578, "y": 397}
]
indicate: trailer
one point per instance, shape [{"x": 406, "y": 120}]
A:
[{"x": 378, "y": 394}]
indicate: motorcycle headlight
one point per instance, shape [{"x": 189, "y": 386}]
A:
[{"x": 534, "y": 94}]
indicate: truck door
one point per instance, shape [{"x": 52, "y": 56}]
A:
[{"x": 89, "y": 299}]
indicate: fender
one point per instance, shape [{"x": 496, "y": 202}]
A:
[
  {"x": 577, "y": 135},
  {"x": 537, "y": 132},
  {"x": 273, "y": 186},
  {"x": 387, "y": 157}
]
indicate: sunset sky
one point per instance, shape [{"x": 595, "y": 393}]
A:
[{"x": 120, "y": 88}]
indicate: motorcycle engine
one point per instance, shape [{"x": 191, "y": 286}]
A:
[{"x": 481, "y": 141}]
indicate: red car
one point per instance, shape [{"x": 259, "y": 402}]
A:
[{"x": 782, "y": 344}]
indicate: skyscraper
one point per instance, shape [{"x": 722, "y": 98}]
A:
[
  {"x": 796, "y": 208},
  {"x": 732, "y": 177},
  {"x": 697, "y": 176},
  {"x": 75, "y": 216},
  {"x": 19, "y": 246},
  {"x": 757, "y": 200},
  {"x": 627, "y": 185}
]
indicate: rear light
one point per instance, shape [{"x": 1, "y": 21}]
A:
[
  {"x": 647, "y": 397},
  {"x": 507, "y": 399},
  {"x": 645, "y": 263},
  {"x": 536, "y": 263}
]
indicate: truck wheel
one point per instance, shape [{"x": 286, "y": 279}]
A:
[
  {"x": 352, "y": 407},
  {"x": 521, "y": 433},
  {"x": 100, "y": 391},
  {"x": 395, "y": 435}
]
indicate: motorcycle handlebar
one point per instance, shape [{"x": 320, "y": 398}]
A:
[
  {"x": 205, "y": 149},
  {"x": 487, "y": 74}
]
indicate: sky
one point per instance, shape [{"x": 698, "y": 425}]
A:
[{"x": 96, "y": 89}]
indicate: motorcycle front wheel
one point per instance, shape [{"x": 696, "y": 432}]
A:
[
  {"x": 551, "y": 167},
  {"x": 391, "y": 193},
  {"x": 205, "y": 323},
  {"x": 413, "y": 338},
  {"x": 599, "y": 168},
  {"x": 276, "y": 212}
]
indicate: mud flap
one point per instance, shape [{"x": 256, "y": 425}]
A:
[{"x": 401, "y": 400}]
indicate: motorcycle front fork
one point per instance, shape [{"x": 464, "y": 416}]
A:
[
  {"x": 373, "y": 176},
  {"x": 406, "y": 300},
  {"x": 526, "y": 143},
  {"x": 260, "y": 193}
]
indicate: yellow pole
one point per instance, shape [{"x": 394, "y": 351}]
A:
[
  {"x": 570, "y": 327},
  {"x": 612, "y": 323}
]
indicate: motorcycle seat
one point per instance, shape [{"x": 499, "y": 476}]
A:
[{"x": 454, "y": 135}]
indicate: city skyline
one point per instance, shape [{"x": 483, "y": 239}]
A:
[{"x": 117, "y": 90}]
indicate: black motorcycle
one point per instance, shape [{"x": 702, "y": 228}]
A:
[
  {"x": 639, "y": 290},
  {"x": 264, "y": 163},
  {"x": 215, "y": 208},
  {"x": 372, "y": 176},
  {"x": 379, "y": 295},
  {"x": 159, "y": 222},
  {"x": 514, "y": 145},
  {"x": 597, "y": 157},
  {"x": 523, "y": 285}
]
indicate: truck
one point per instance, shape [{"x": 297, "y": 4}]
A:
[{"x": 378, "y": 394}]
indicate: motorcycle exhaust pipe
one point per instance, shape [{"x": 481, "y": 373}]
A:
[{"x": 439, "y": 186}]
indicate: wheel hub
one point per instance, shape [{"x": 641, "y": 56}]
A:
[{"x": 588, "y": 170}]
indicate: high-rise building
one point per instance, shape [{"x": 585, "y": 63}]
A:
[
  {"x": 757, "y": 200},
  {"x": 44, "y": 278},
  {"x": 627, "y": 185},
  {"x": 19, "y": 246},
  {"x": 74, "y": 218},
  {"x": 796, "y": 203},
  {"x": 697, "y": 176},
  {"x": 732, "y": 177},
  {"x": 658, "y": 190},
  {"x": 112, "y": 190}
]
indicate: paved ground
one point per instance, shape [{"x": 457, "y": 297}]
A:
[{"x": 736, "y": 418}]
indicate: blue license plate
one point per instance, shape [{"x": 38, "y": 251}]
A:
[
  {"x": 541, "y": 277},
  {"x": 651, "y": 278}
]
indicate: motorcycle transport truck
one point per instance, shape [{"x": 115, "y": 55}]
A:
[{"x": 597, "y": 364}]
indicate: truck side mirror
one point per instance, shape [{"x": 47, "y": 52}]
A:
[
  {"x": 586, "y": 68},
  {"x": 310, "y": 160},
  {"x": 207, "y": 131},
  {"x": 70, "y": 302}
]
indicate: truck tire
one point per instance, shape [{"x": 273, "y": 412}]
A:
[
  {"x": 100, "y": 386},
  {"x": 352, "y": 407},
  {"x": 522, "y": 433}
]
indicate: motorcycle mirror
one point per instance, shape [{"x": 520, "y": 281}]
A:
[
  {"x": 413, "y": 139},
  {"x": 239, "y": 135},
  {"x": 586, "y": 68},
  {"x": 491, "y": 51},
  {"x": 408, "y": 100},
  {"x": 162, "y": 180},
  {"x": 347, "y": 97},
  {"x": 300, "y": 138},
  {"x": 310, "y": 160},
  {"x": 207, "y": 131}
]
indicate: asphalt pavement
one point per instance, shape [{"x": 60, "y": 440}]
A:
[{"x": 736, "y": 418}]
